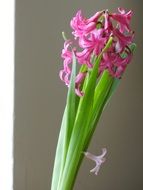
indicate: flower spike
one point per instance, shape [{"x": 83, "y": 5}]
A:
[
  {"x": 91, "y": 36},
  {"x": 94, "y": 62}
]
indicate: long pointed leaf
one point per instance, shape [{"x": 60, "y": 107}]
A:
[
  {"x": 59, "y": 154},
  {"x": 70, "y": 116},
  {"x": 66, "y": 129}
]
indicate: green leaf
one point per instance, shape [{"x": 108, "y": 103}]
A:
[
  {"x": 102, "y": 93},
  {"x": 114, "y": 86},
  {"x": 66, "y": 129},
  {"x": 59, "y": 154},
  {"x": 71, "y": 104}
]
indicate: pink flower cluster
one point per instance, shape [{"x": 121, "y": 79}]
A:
[{"x": 91, "y": 35}]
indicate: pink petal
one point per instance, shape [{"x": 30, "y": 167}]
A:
[{"x": 95, "y": 17}]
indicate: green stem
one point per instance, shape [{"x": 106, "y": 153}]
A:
[{"x": 79, "y": 138}]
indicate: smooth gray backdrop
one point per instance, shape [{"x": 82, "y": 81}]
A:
[{"x": 40, "y": 100}]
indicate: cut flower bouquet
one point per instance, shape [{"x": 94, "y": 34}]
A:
[{"x": 93, "y": 65}]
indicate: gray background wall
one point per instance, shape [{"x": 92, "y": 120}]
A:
[{"x": 40, "y": 100}]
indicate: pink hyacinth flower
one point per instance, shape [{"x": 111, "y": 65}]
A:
[
  {"x": 97, "y": 159},
  {"x": 84, "y": 57},
  {"x": 78, "y": 81},
  {"x": 115, "y": 63},
  {"x": 66, "y": 71},
  {"x": 95, "y": 42},
  {"x": 83, "y": 26},
  {"x": 123, "y": 40},
  {"x": 67, "y": 56},
  {"x": 107, "y": 23},
  {"x": 123, "y": 19}
]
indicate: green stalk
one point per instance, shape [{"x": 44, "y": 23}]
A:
[
  {"x": 75, "y": 146},
  {"x": 77, "y": 143}
]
